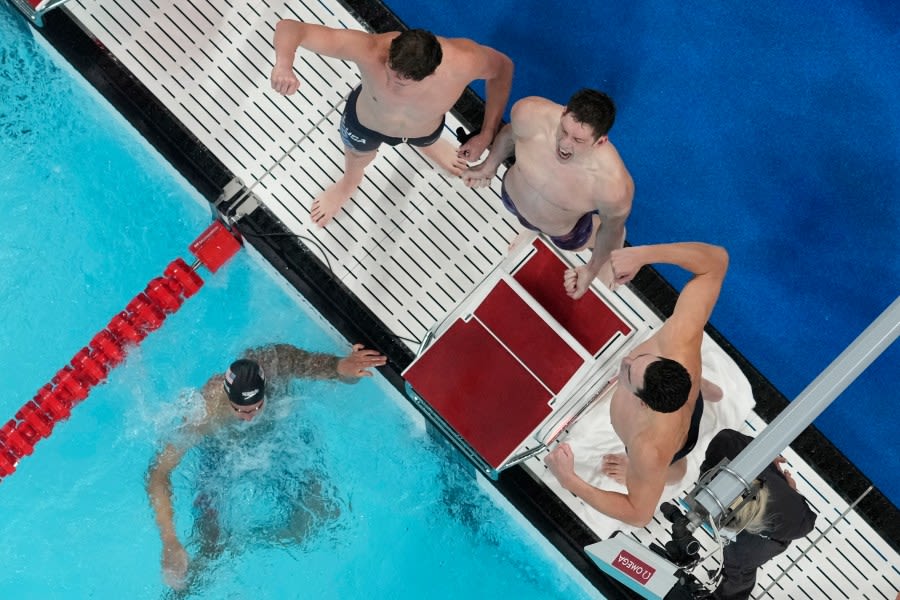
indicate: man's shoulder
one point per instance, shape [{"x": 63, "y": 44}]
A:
[
  {"x": 369, "y": 48},
  {"x": 214, "y": 397},
  {"x": 533, "y": 116},
  {"x": 536, "y": 107},
  {"x": 615, "y": 184},
  {"x": 675, "y": 341},
  {"x": 463, "y": 47},
  {"x": 467, "y": 60}
]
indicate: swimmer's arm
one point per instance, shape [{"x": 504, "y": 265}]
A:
[
  {"x": 496, "y": 69},
  {"x": 159, "y": 489},
  {"x": 315, "y": 365},
  {"x": 609, "y": 238},
  {"x": 345, "y": 44},
  {"x": 683, "y": 331},
  {"x": 611, "y": 233},
  {"x": 504, "y": 146},
  {"x": 645, "y": 482},
  {"x": 159, "y": 475},
  {"x": 635, "y": 508}
]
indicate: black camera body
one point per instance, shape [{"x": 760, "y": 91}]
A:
[{"x": 683, "y": 550}]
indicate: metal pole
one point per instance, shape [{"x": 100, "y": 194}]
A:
[
  {"x": 246, "y": 194},
  {"x": 880, "y": 334}
]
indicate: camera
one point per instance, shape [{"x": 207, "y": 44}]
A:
[{"x": 683, "y": 550}]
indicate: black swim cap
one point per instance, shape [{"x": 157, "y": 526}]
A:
[{"x": 245, "y": 382}]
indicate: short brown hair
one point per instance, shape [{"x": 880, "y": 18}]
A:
[
  {"x": 415, "y": 54},
  {"x": 592, "y": 108}
]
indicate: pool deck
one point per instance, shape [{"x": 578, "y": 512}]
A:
[{"x": 409, "y": 246}]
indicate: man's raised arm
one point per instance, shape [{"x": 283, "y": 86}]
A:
[
  {"x": 345, "y": 44},
  {"x": 695, "y": 304},
  {"x": 301, "y": 363}
]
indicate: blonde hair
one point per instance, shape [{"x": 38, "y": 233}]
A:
[{"x": 751, "y": 516}]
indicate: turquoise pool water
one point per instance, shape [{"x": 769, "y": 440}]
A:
[{"x": 91, "y": 214}]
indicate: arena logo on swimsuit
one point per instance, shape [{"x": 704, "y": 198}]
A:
[{"x": 633, "y": 567}]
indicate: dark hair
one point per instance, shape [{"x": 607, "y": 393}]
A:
[
  {"x": 667, "y": 385},
  {"x": 592, "y": 108},
  {"x": 415, "y": 54}
]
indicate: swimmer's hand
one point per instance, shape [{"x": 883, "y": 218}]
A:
[
  {"x": 472, "y": 150},
  {"x": 283, "y": 80},
  {"x": 174, "y": 564},
  {"x": 625, "y": 262},
  {"x": 358, "y": 363},
  {"x": 561, "y": 462},
  {"x": 479, "y": 176},
  {"x": 576, "y": 281}
]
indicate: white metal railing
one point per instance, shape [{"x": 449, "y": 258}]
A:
[{"x": 36, "y": 13}]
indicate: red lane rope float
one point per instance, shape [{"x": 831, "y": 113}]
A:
[{"x": 91, "y": 365}]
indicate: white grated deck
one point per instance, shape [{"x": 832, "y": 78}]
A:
[{"x": 412, "y": 242}]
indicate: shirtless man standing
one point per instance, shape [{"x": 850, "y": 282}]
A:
[
  {"x": 657, "y": 405},
  {"x": 568, "y": 180},
  {"x": 409, "y": 82}
]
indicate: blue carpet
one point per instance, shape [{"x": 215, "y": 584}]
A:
[{"x": 770, "y": 129}]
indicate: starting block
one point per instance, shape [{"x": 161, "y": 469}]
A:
[{"x": 517, "y": 361}]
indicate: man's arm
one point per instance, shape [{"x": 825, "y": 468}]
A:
[
  {"x": 300, "y": 363},
  {"x": 159, "y": 489},
  {"x": 497, "y": 71},
  {"x": 645, "y": 482},
  {"x": 698, "y": 297},
  {"x": 521, "y": 117},
  {"x": 610, "y": 236},
  {"x": 345, "y": 44}
]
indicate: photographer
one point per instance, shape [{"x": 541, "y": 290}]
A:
[{"x": 764, "y": 526}]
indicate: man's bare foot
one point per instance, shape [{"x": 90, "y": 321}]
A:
[
  {"x": 710, "y": 391},
  {"x": 479, "y": 176},
  {"x": 524, "y": 238},
  {"x": 615, "y": 466},
  {"x": 329, "y": 202},
  {"x": 444, "y": 154}
]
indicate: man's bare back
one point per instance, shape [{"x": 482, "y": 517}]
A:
[
  {"x": 563, "y": 172},
  {"x": 655, "y": 409},
  {"x": 409, "y": 109}
]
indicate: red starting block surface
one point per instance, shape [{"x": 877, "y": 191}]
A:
[
  {"x": 480, "y": 389},
  {"x": 589, "y": 319},
  {"x": 492, "y": 375}
]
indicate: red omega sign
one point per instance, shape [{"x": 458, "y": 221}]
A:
[{"x": 633, "y": 567}]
